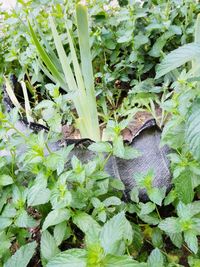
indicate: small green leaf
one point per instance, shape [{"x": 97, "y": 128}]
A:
[
  {"x": 177, "y": 58},
  {"x": 122, "y": 261},
  {"x": 170, "y": 225},
  {"x": 114, "y": 232},
  {"x": 157, "y": 195},
  {"x": 118, "y": 147},
  {"x": 134, "y": 195},
  {"x": 24, "y": 220},
  {"x": 22, "y": 256},
  {"x": 5, "y": 222},
  {"x": 155, "y": 259},
  {"x": 60, "y": 232},
  {"x": 112, "y": 201},
  {"x": 5, "y": 180},
  {"x": 101, "y": 147},
  {"x": 191, "y": 240},
  {"x": 38, "y": 194},
  {"x": 88, "y": 226},
  {"x": 130, "y": 153},
  {"x": 157, "y": 239},
  {"x": 117, "y": 184},
  {"x": 183, "y": 187},
  {"x": 48, "y": 246},
  {"x": 177, "y": 239},
  {"x": 69, "y": 258},
  {"x": 55, "y": 217},
  {"x": 146, "y": 208}
]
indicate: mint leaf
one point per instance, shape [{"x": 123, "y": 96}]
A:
[
  {"x": 191, "y": 240},
  {"x": 114, "y": 232},
  {"x": 112, "y": 201},
  {"x": 69, "y": 258},
  {"x": 60, "y": 232},
  {"x": 56, "y": 217},
  {"x": 6, "y": 180},
  {"x": 155, "y": 259},
  {"x": 101, "y": 147},
  {"x": 177, "y": 239},
  {"x": 24, "y": 220},
  {"x": 5, "y": 222},
  {"x": 38, "y": 194},
  {"x": 146, "y": 208},
  {"x": 122, "y": 261},
  {"x": 183, "y": 187},
  {"x": 48, "y": 246},
  {"x": 170, "y": 225},
  {"x": 88, "y": 226},
  {"x": 157, "y": 195},
  {"x": 134, "y": 195},
  {"x": 157, "y": 239},
  {"x": 22, "y": 256}
]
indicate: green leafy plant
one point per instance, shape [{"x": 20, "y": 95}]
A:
[{"x": 81, "y": 87}]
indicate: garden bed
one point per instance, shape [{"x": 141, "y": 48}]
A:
[{"x": 100, "y": 136}]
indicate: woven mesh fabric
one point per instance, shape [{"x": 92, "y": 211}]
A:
[{"x": 153, "y": 157}]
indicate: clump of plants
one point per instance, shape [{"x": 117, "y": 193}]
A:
[{"x": 56, "y": 210}]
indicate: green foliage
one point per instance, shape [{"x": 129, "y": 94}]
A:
[
  {"x": 22, "y": 256},
  {"x": 77, "y": 213}
]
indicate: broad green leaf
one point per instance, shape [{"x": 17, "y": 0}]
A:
[
  {"x": 183, "y": 211},
  {"x": 118, "y": 147},
  {"x": 5, "y": 222},
  {"x": 155, "y": 259},
  {"x": 146, "y": 208},
  {"x": 121, "y": 261},
  {"x": 137, "y": 237},
  {"x": 177, "y": 58},
  {"x": 112, "y": 201},
  {"x": 183, "y": 187},
  {"x": 157, "y": 239},
  {"x": 9, "y": 211},
  {"x": 114, "y": 232},
  {"x": 55, "y": 217},
  {"x": 191, "y": 240},
  {"x": 192, "y": 133},
  {"x": 5, "y": 243},
  {"x": 38, "y": 194},
  {"x": 88, "y": 226},
  {"x": 101, "y": 147},
  {"x": 134, "y": 195},
  {"x": 24, "y": 220},
  {"x": 6, "y": 180},
  {"x": 194, "y": 208},
  {"x": 60, "y": 232},
  {"x": 22, "y": 256},
  {"x": 117, "y": 184},
  {"x": 69, "y": 258},
  {"x": 150, "y": 218},
  {"x": 157, "y": 195},
  {"x": 170, "y": 225},
  {"x": 130, "y": 153},
  {"x": 177, "y": 239},
  {"x": 48, "y": 246}
]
